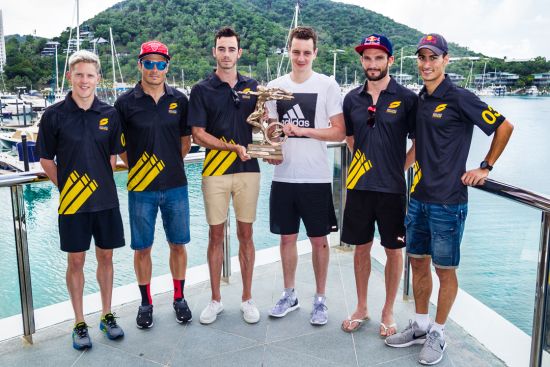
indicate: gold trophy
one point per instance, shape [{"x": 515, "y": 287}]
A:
[{"x": 272, "y": 133}]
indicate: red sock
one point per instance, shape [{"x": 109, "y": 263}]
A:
[
  {"x": 145, "y": 291},
  {"x": 178, "y": 289}
]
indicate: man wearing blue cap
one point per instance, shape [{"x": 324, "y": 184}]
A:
[
  {"x": 437, "y": 210},
  {"x": 379, "y": 117}
]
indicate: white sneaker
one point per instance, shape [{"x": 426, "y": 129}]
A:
[
  {"x": 250, "y": 311},
  {"x": 210, "y": 312}
]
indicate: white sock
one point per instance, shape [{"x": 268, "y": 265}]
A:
[
  {"x": 423, "y": 321},
  {"x": 440, "y": 328}
]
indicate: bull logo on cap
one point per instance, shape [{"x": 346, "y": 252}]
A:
[{"x": 372, "y": 40}]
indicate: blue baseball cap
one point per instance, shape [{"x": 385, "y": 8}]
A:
[
  {"x": 374, "y": 40},
  {"x": 433, "y": 42}
]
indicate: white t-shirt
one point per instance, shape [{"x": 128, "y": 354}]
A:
[{"x": 305, "y": 160}]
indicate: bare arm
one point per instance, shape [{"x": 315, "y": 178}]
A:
[
  {"x": 411, "y": 155},
  {"x": 50, "y": 168},
  {"x": 350, "y": 140},
  {"x": 500, "y": 140},
  {"x": 113, "y": 162},
  {"x": 124, "y": 157},
  {"x": 185, "y": 145},
  {"x": 336, "y": 132},
  {"x": 201, "y": 137}
]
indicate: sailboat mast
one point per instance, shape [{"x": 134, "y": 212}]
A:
[
  {"x": 113, "y": 59},
  {"x": 77, "y": 26}
]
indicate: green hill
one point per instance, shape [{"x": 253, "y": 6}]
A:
[{"x": 188, "y": 26}]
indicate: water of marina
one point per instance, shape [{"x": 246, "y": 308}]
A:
[{"x": 499, "y": 250}]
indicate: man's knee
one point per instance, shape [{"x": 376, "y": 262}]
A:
[
  {"x": 420, "y": 265},
  {"x": 394, "y": 254},
  {"x": 75, "y": 261},
  {"x": 142, "y": 255}
]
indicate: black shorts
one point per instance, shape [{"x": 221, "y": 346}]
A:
[
  {"x": 311, "y": 202},
  {"x": 364, "y": 208},
  {"x": 76, "y": 230}
]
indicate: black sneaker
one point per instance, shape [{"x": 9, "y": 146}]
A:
[
  {"x": 144, "y": 317},
  {"x": 81, "y": 339},
  {"x": 183, "y": 313}
]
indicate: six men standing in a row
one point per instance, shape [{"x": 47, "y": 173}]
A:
[{"x": 151, "y": 125}]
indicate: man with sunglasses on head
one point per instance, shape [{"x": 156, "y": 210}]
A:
[
  {"x": 438, "y": 206},
  {"x": 379, "y": 116},
  {"x": 217, "y": 114},
  {"x": 154, "y": 121},
  {"x": 301, "y": 188}
]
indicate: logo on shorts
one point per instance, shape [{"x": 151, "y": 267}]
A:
[
  {"x": 392, "y": 108},
  {"x": 76, "y": 190},
  {"x": 401, "y": 239},
  {"x": 296, "y": 117},
  {"x": 144, "y": 172},
  {"x": 103, "y": 124},
  {"x": 437, "y": 112},
  {"x": 217, "y": 162},
  {"x": 359, "y": 166}
]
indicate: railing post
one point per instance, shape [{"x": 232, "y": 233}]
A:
[
  {"x": 539, "y": 335},
  {"x": 340, "y": 174},
  {"x": 226, "y": 267},
  {"x": 407, "y": 262},
  {"x": 24, "y": 270}
]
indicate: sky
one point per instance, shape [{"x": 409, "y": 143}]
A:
[{"x": 517, "y": 29}]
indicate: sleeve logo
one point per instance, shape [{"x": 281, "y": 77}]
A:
[
  {"x": 417, "y": 176},
  {"x": 122, "y": 140},
  {"x": 490, "y": 115},
  {"x": 392, "y": 108},
  {"x": 103, "y": 124}
]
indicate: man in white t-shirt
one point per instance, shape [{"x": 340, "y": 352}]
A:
[{"x": 301, "y": 187}]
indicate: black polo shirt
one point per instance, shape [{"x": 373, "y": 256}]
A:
[
  {"x": 379, "y": 152},
  {"x": 212, "y": 106},
  {"x": 153, "y": 134},
  {"x": 82, "y": 143},
  {"x": 444, "y": 125}
]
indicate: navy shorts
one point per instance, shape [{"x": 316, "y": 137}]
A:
[
  {"x": 435, "y": 230},
  {"x": 365, "y": 208},
  {"x": 310, "y": 202},
  {"x": 105, "y": 226},
  {"x": 143, "y": 207}
]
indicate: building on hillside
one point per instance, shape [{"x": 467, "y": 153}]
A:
[
  {"x": 542, "y": 80},
  {"x": 456, "y": 78},
  {"x": 495, "y": 78}
]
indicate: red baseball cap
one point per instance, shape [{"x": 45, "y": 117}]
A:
[{"x": 154, "y": 47}]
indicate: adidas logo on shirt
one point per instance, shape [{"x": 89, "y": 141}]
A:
[{"x": 295, "y": 116}]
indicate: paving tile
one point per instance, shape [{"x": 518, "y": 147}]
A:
[
  {"x": 276, "y": 356},
  {"x": 105, "y": 356}
]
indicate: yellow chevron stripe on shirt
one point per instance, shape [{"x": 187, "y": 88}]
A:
[
  {"x": 359, "y": 166},
  {"x": 417, "y": 176},
  {"x": 75, "y": 193},
  {"x": 217, "y": 162},
  {"x": 144, "y": 172}
]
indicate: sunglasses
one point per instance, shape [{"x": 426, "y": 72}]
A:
[
  {"x": 372, "y": 115},
  {"x": 236, "y": 99},
  {"x": 149, "y": 65}
]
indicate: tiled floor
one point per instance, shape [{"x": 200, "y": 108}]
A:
[{"x": 290, "y": 341}]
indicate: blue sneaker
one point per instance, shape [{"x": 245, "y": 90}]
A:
[
  {"x": 110, "y": 328},
  {"x": 319, "y": 314},
  {"x": 81, "y": 339},
  {"x": 287, "y": 303}
]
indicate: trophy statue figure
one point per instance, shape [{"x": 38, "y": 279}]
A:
[{"x": 272, "y": 133}]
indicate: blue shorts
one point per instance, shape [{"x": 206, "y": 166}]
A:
[
  {"x": 435, "y": 230},
  {"x": 143, "y": 207}
]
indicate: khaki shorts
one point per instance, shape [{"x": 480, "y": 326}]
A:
[{"x": 244, "y": 187}]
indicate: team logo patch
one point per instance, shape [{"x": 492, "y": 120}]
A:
[
  {"x": 245, "y": 96},
  {"x": 103, "y": 124},
  {"x": 438, "y": 111},
  {"x": 76, "y": 190},
  {"x": 146, "y": 169},
  {"x": 392, "y": 108},
  {"x": 358, "y": 167},
  {"x": 217, "y": 162},
  {"x": 172, "y": 108}
]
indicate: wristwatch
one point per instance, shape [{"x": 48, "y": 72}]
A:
[{"x": 485, "y": 165}]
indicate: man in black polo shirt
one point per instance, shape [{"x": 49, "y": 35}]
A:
[
  {"x": 379, "y": 116},
  {"x": 154, "y": 121},
  {"x": 439, "y": 196},
  {"x": 78, "y": 141},
  {"x": 218, "y": 115}
]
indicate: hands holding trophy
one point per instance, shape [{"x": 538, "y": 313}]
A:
[{"x": 272, "y": 133}]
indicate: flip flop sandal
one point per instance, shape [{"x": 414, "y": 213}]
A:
[
  {"x": 359, "y": 323},
  {"x": 386, "y": 328}
]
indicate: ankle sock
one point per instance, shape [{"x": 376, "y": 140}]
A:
[
  {"x": 145, "y": 291},
  {"x": 440, "y": 328},
  {"x": 290, "y": 292},
  {"x": 178, "y": 289},
  {"x": 423, "y": 321}
]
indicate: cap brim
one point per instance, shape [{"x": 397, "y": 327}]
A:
[
  {"x": 435, "y": 50},
  {"x": 154, "y": 53},
  {"x": 359, "y": 49}
]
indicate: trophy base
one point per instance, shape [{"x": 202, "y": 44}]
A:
[{"x": 265, "y": 151}]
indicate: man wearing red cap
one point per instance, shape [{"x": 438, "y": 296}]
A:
[
  {"x": 379, "y": 116},
  {"x": 154, "y": 120},
  {"x": 438, "y": 207}
]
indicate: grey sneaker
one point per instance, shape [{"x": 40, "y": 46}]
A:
[
  {"x": 287, "y": 303},
  {"x": 319, "y": 314},
  {"x": 109, "y": 327},
  {"x": 410, "y": 336},
  {"x": 432, "y": 351},
  {"x": 81, "y": 339}
]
